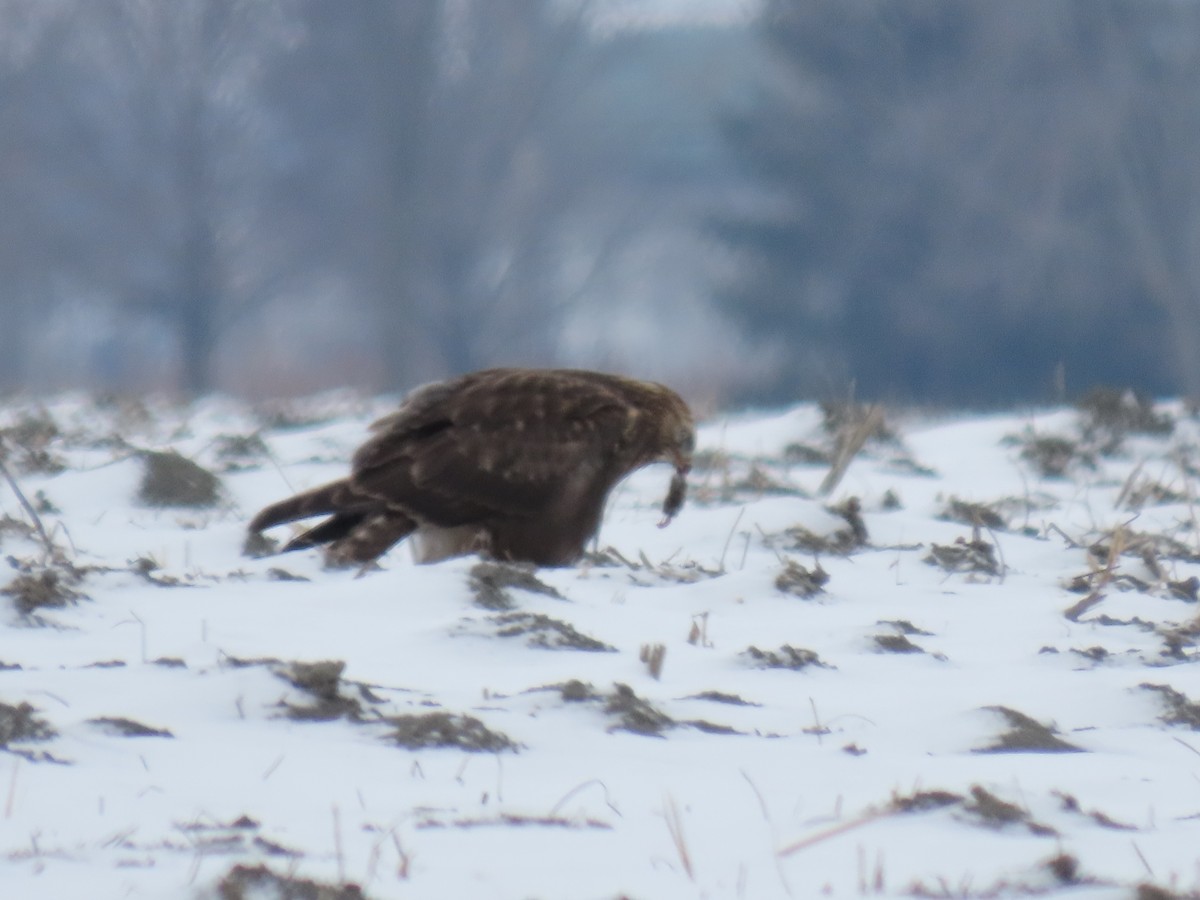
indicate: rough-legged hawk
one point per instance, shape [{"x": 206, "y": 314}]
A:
[{"x": 514, "y": 464}]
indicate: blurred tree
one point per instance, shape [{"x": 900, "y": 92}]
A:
[
  {"x": 943, "y": 221},
  {"x": 133, "y": 118},
  {"x": 486, "y": 189},
  {"x": 446, "y": 140}
]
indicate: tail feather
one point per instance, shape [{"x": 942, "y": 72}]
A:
[
  {"x": 359, "y": 528},
  {"x": 335, "y": 497},
  {"x": 332, "y": 529},
  {"x": 369, "y": 538}
]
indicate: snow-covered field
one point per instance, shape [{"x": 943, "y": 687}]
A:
[{"x": 991, "y": 696}]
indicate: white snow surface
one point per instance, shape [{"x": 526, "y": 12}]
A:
[{"x": 863, "y": 776}]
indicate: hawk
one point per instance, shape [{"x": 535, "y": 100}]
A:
[{"x": 514, "y": 464}]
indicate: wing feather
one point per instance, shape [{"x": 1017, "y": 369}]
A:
[{"x": 507, "y": 445}]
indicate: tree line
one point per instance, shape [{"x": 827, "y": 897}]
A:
[{"x": 953, "y": 201}]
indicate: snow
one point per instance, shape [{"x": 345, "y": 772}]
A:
[{"x": 817, "y": 791}]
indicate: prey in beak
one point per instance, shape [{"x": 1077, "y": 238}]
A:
[{"x": 676, "y": 493}]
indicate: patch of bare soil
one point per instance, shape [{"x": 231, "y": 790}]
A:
[
  {"x": 987, "y": 809},
  {"x": 1053, "y": 456},
  {"x": 257, "y": 545},
  {"x": 1146, "y": 545},
  {"x": 801, "y": 581},
  {"x": 241, "y": 452},
  {"x": 1113, "y": 413},
  {"x": 925, "y": 801},
  {"x": 513, "y": 820},
  {"x": 1179, "y": 710},
  {"x": 490, "y": 583},
  {"x": 28, "y": 444},
  {"x": 321, "y": 683},
  {"x": 974, "y": 556},
  {"x": 1155, "y": 892},
  {"x": 985, "y": 515},
  {"x": 903, "y": 626},
  {"x": 807, "y": 455},
  {"x": 18, "y": 724},
  {"x": 51, "y": 586},
  {"x": 443, "y": 729},
  {"x": 842, "y": 542},
  {"x": 635, "y": 714},
  {"x": 896, "y": 643},
  {"x": 576, "y": 691},
  {"x": 786, "y": 657},
  {"x": 1026, "y": 735},
  {"x": 1071, "y": 804},
  {"x": 172, "y": 480},
  {"x": 1178, "y": 640},
  {"x": 840, "y": 416},
  {"x": 122, "y": 727},
  {"x": 259, "y": 882},
  {"x": 546, "y": 633},
  {"x": 721, "y": 697}
]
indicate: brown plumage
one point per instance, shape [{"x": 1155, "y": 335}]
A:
[{"x": 515, "y": 464}]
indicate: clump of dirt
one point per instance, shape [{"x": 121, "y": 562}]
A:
[
  {"x": 1147, "y": 545},
  {"x": 1026, "y": 735},
  {"x": 800, "y": 581},
  {"x": 760, "y": 482},
  {"x": 18, "y": 527},
  {"x": 44, "y": 587},
  {"x": 975, "y": 555},
  {"x": 1139, "y": 493},
  {"x": 903, "y": 626},
  {"x": 896, "y": 643},
  {"x": 18, "y": 724},
  {"x": 1147, "y": 891},
  {"x": 806, "y": 454},
  {"x": 720, "y": 697},
  {"x": 1188, "y": 589},
  {"x": 576, "y": 691},
  {"x": 1065, "y": 869},
  {"x": 28, "y": 444},
  {"x": 240, "y": 452},
  {"x": 122, "y": 727},
  {"x": 1053, "y": 456},
  {"x": 490, "y": 581},
  {"x": 842, "y": 541},
  {"x": 635, "y": 714},
  {"x": 257, "y": 545},
  {"x": 840, "y": 416},
  {"x": 171, "y": 480},
  {"x": 321, "y": 681},
  {"x": 786, "y": 657},
  {"x": 1179, "y": 639},
  {"x": 547, "y": 633},
  {"x": 1072, "y": 805},
  {"x": 993, "y": 812},
  {"x": 977, "y": 515},
  {"x": 1115, "y": 413},
  {"x": 277, "y": 574},
  {"x": 443, "y": 729},
  {"x": 257, "y": 882},
  {"x": 925, "y": 801},
  {"x": 1094, "y": 654},
  {"x": 1179, "y": 709}
]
